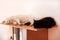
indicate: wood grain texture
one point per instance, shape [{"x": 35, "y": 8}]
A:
[{"x": 41, "y": 34}]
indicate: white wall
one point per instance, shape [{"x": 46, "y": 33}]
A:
[
  {"x": 33, "y": 7},
  {"x": 40, "y": 8},
  {"x": 4, "y": 32}
]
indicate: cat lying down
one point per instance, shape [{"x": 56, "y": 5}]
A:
[
  {"x": 19, "y": 20},
  {"x": 47, "y": 22},
  {"x": 30, "y": 23}
]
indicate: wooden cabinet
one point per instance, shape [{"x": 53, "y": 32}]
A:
[{"x": 41, "y": 34}]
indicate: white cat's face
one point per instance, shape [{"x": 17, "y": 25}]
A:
[
  {"x": 11, "y": 21},
  {"x": 6, "y": 21}
]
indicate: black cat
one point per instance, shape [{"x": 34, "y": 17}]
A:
[{"x": 46, "y": 22}]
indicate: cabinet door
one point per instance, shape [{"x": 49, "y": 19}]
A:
[{"x": 41, "y": 34}]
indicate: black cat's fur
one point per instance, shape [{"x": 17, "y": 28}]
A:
[{"x": 46, "y": 22}]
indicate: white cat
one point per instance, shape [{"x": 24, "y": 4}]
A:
[{"x": 19, "y": 19}]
